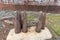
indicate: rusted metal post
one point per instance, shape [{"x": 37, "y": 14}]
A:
[
  {"x": 25, "y": 28},
  {"x": 18, "y": 22},
  {"x": 39, "y": 25},
  {"x": 43, "y": 20}
]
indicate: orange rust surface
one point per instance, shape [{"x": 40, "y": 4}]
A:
[
  {"x": 1, "y": 6},
  {"x": 55, "y": 9},
  {"x": 6, "y": 6},
  {"x": 10, "y": 6}
]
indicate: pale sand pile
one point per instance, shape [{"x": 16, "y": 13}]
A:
[{"x": 30, "y": 35}]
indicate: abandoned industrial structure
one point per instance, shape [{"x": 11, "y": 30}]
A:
[{"x": 42, "y": 6}]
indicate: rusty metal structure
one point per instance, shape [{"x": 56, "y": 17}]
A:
[{"x": 52, "y": 6}]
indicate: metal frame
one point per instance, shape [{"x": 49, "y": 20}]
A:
[{"x": 21, "y": 24}]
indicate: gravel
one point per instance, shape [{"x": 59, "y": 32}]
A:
[
  {"x": 10, "y": 13},
  {"x": 6, "y": 13}
]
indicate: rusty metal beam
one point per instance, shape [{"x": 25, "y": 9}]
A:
[
  {"x": 43, "y": 20},
  {"x": 51, "y": 9},
  {"x": 25, "y": 28},
  {"x": 18, "y": 22},
  {"x": 39, "y": 25}
]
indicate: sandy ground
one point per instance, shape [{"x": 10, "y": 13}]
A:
[{"x": 30, "y": 35}]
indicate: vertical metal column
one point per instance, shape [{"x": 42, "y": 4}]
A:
[
  {"x": 18, "y": 22},
  {"x": 39, "y": 25},
  {"x": 25, "y": 28},
  {"x": 44, "y": 17},
  {"x": 43, "y": 20}
]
